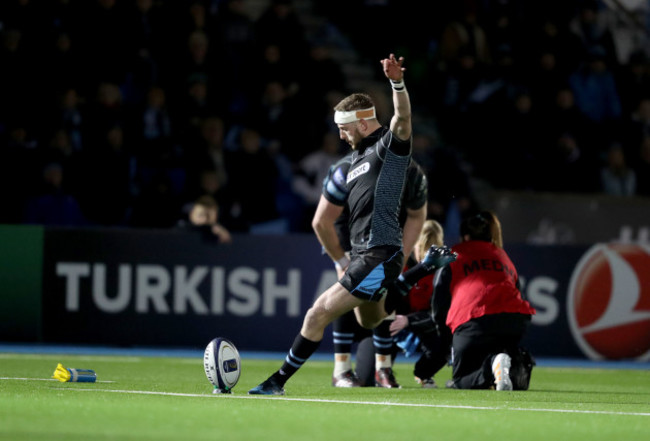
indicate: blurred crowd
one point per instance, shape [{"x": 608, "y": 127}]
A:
[{"x": 126, "y": 112}]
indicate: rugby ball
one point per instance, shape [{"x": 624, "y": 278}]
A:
[{"x": 222, "y": 364}]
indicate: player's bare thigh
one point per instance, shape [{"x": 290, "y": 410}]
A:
[
  {"x": 370, "y": 314},
  {"x": 331, "y": 304}
]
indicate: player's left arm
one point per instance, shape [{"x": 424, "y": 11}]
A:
[{"x": 323, "y": 225}]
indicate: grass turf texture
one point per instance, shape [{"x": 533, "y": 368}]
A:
[{"x": 151, "y": 398}]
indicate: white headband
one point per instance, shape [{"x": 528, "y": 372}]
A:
[{"x": 353, "y": 115}]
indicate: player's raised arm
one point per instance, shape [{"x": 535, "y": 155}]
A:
[{"x": 400, "y": 124}]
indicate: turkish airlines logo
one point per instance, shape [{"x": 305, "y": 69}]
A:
[{"x": 608, "y": 303}]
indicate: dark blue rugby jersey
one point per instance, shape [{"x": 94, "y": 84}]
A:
[
  {"x": 371, "y": 181},
  {"x": 414, "y": 197}
]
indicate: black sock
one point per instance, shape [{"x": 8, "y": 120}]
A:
[
  {"x": 413, "y": 275},
  {"x": 381, "y": 339},
  {"x": 343, "y": 333},
  {"x": 300, "y": 351},
  {"x": 343, "y": 342}
]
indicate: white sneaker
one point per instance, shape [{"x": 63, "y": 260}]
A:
[
  {"x": 501, "y": 371},
  {"x": 346, "y": 379},
  {"x": 426, "y": 383}
]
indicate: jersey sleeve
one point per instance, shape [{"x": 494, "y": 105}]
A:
[
  {"x": 335, "y": 188},
  {"x": 396, "y": 145},
  {"x": 416, "y": 188},
  {"x": 421, "y": 322},
  {"x": 441, "y": 299}
]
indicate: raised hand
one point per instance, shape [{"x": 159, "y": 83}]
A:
[{"x": 393, "y": 67}]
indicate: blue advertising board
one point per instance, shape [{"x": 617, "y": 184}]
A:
[
  {"x": 177, "y": 288},
  {"x": 131, "y": 287}
]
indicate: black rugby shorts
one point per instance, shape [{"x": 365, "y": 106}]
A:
[{"x": 371, "y": 270}]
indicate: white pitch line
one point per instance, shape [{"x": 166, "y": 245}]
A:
[
  {"x": 373, "y": 403},
  {"x": 45, "y": 379}
]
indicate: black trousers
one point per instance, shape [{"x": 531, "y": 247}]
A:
[
  {"x": 434, "y": 356},
  {"x": 365, "y": 361},
  {"x": 475, "y": 343}
]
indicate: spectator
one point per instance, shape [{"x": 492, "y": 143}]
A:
[
  {"x": 449, "y": 186},
  {"x": 195, "y": 79},
  {"x": 60, "y": 150},
  {"x": 198, "y": 18},
  {"x": 18, "y": 77},
  {"x": 573, "y": 171},
  {"x": 275, "y": 116},
  {"x": 235, "y": 41},
  {"x": 195, "y": 62},
  {"x": 546, "y": 79},
  {"x": 320, "y": 75},
  {"x": 564, "y": 117},
  {"x": 107, "y": 176},
  {"x": 464, "y": 35},
  {"x": 616, "y": 177},
  {"x": 144, "y": 46},
  {"x": 595, "y": 88},
  {"x": 53, "y": 205},
  {"x": 154, "y": 136},
  {"x": 596, "y": 95},
  {"x": 550, "y": 35},
  {"x": 197, "y": 103},
  {"x": 636, "y": 127},
  {"x": 209, "y": 182},
  {"x": 146, "y": 27},
  {"x": 279, "y": 24},
  {"x": 514, "y": 131},
  {"x": 62, "y": 16},
  {"x": 590, "y": 26},
  {"x": 104, "y": 43},
  {"x": 642, "y": 168},
  {"x": 633, "y": 81},
  {"x": 272, "y": 65},
  {"x": 20, "y": 170},
  {"x": 70, "y": 115},
  {"x": 208, "y": 151},
  {"x": 198, "y": 60},
  {"x": 131, "y": 47},
  {"x": 106, "y": 111},
  {"x": 157, "y": 205},
  {"x": 203, "y": 216},
  {"x": 453, "y": 100},
  {"x": 253, "y": 180},
  {"x": 312, "y": 170},
  {"x": 65, "y": 67}
]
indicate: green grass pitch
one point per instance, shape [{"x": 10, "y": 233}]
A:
[{"x": 154, "y": 398}]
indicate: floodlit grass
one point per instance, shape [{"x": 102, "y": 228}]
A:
[{"x": 151, "y": 398}]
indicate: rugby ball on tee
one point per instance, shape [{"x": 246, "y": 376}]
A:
[{"x": 222, "y": 364}]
